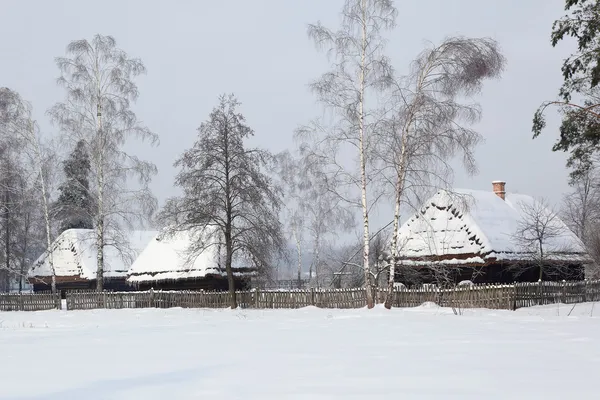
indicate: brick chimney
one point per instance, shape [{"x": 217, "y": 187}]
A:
[{"x": 498, "y": 187}]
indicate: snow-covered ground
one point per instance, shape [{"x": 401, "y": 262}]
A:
[{"x": 420, "y": 353}]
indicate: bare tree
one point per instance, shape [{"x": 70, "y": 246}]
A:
[
  {"x": 99, "y": 82},
  {"x": 592, "y": 245},
  {"x": 19, "y": 123},
  {"x": 26, "y": 215},
  {"x": 326, "y": 214},
  {"x": 350, "y": 90},
  {"x": 228, "y": 197},
  {"x": 327, "y": 217},
  {"x": 581, "y": 213},
  {"x": 294, "y": 205},
  {"x": 379, "y": 248},
  {"x": 9, "y": 202},
  {"x": 429, "y": 126},
  {"x": 344, "y": 264},
  {"x": 296, "y": 227},
  {"x": 581, "y": 207},
  {"x": 314, "y": 210},
  {"x": 28, "y": 234},
  {"x": 11, "y": 115},
  {"x": 540, "y": 241}
]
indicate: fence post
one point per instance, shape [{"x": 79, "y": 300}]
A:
[
  {"x": 312, "y": 296},
  {"x": 151, "y": 297},
  {"x": 257, "y": 298},
  {"x": 513, "y": 301},
  {"x": 21, "y": 303}
]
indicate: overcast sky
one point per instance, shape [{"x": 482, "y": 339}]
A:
[{"x": 258, "y": 49}]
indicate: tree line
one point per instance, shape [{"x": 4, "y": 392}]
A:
[{"x": 385, "y": 137}]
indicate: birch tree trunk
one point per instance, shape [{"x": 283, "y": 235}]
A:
[
  {"x": 299, "y": 254},
  {"x": 38, "y": 155},
  {"x": 363, "y": 170},
  {"x": 100, "y": 217},
  {"x": 47, "y": 226},
  {"x": 317, "y": 259},
  {"x": 24, "y": 249},
  {"x": 394, "y": 246},
  {"x": 7, "y": 213},
  {"x": 361, "y": 69},
  {"x": 398, "y": 197}
]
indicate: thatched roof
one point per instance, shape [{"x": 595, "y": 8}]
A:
[
  {"x": 172, "y": 257},
  {"x": 472, "y": 227},
  {"x": 74, "y": 254}
]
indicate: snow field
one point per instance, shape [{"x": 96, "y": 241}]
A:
[{"x": 420, "y": 353}]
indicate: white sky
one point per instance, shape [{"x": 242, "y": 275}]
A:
[{"x": 196, "y": 50}]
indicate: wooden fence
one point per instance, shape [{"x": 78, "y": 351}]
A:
[
  {"x": 508, "y": 297},
  {"x": 335, "y": 298},
  {"x": 29, "y": 302},
  {"x": 533, "y": 294},
  {"x": 483, "y": 296}
]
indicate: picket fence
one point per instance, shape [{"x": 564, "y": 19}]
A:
[
  {"x": 508, "y": 297},
  {"x": 331, "y": 298},
  {"x": 29, "y": 302}
]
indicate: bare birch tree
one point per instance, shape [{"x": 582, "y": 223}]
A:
[
  {"x": 327, "y": 215},
  {"x": 293, "y": 206},
  {"x": 99, "y": 82},
  {"x": 26, "y": 214},
  {"x": 430, "y": 120},
  {"x": 228, "y": 200},
  {"x": 297, "y": 232},
  {"x": 315, "y": 209},
  {"x": 350, "y": 91},
  {"x": 540, "y": 239},
  {"x": 9, "y": 202},
  {"x": 28, "y": 235},
  {"x": 19, "y": 122}
]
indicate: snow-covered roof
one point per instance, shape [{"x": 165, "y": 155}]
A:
[
  {"x": 169, "y": 258},
  {"x": 74, "y": 254},
  {"x": 472, "y": 227}
]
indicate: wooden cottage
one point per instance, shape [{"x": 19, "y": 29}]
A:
[
  {"x": 474, "y": 235},
  {"x": 167, "y": 263},
  {"x": 74, "y": 257}
]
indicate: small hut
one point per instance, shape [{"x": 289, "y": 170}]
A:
[
  {"x": 74, "y": 257},
  {"x": 169, "y": 263},
  {"x": 472, "y": 235}
]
